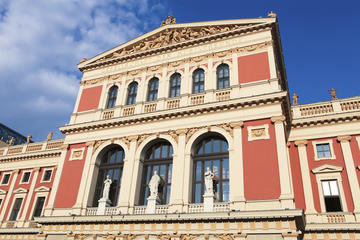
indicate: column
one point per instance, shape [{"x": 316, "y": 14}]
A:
[
  {"x": 236, "y": 169},
  {"x": 80, "y": 205},
  {"x": 287, "y": 196},
  {"x": 9, "y": 193},
  {"x": 29, "y": 196},
  {"x": 50, "y": 206},
  {"x": 127, "y": 177},
  {"x": 305, "y": 175},
  {"x": 188, "y": 170},
  {"x": 351, "y": 172},
  {"x": 177, "y": 181}
]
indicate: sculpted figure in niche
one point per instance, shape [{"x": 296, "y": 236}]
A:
[
  {"x": 209, "y": 181},
  {"x": 154, "y": 184},
  {"x": 107, "y": 184}
]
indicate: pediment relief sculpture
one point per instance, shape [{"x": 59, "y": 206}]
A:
[{"x": 171, "y": 36}]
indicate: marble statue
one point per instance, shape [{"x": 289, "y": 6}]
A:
[
  {"x": 209, "y": 184},
  {"x": 107, "y": 184},
  {"x": 154, "y": 184}
]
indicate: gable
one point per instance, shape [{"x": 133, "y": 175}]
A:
[
  {"x": 20, "y": 190},
  {"x": 42, "y": 189},
  {"x": 171, "y": 34},
  {"x": 327, "y": 168}
]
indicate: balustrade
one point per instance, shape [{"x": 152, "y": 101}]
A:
[
  {"x": 108, "y": 114},
  {"x": 128, "y": 111},
  {"x": 151, "y": 107}
]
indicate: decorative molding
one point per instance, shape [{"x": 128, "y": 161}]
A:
[
  {"x": 20, "y": 190},
  {"x": 77, "y": 154},
  {"x": 42, "y": 189},
  {"x": 278, "y": 119},
  {"x": 238, "y": 124},
  {"x": 345, "y": 138},
  {"x": 260, "y": 132},
  {"x": 330, "y": 142},
  {"x": 3, "y": 192},
  {"x": 327, "y": 168}
]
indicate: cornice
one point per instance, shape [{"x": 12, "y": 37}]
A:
[
  {"x": 172, "y": 47},
  {"x": 175, "y": 113}
]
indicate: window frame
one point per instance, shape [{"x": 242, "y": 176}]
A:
[
  {"x": 330, "y": 142},
  {"x": 209, "y": 157},
  {"x": 223, "y": 78},
  {"x": 151, "y": 162},
  {"x": 41, "y": 191},
  {"x": 112, "y": 97},
  {"x": 43, "y": 174},
  {"x": 177, "y": 85},
  {"x": 2, "y": 179},
  {"x": 198, "y": 70},
  {"x": 22, "y": 177},
  {"x": 16, "y": 196},
  {"x": 152, "y": 94},
  {"x": 130, "y": 95}
]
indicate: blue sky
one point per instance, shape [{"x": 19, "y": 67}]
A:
[{"x": 41, "y": 43}]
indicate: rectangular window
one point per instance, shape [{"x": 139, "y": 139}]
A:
[
  {"x": 323, "y": 150},
  {"x": 39, "y": 206},
  {"x": 6, "y": 179},
  {"x": 16, "y": 209},
  {"x": 331, "y": 196},
  {"x": 47, "y": 176},
  {"x": 0, "y": 201},
  {"x": 25, "y": 177}
]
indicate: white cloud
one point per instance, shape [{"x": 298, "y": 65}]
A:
[{"x": 41, "y": 42}]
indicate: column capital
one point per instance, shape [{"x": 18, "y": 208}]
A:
[
  {"x": 301, "y": 143},
  {"x": 37, "y": 169},
  {"x": 16, "y": 171},
  {"x": 90, "y": 143},
  {"x": 133, "y": 138},
  {"x": 345, "y": 138},
  {"x": 181, "y": 132},
  {"x": 278, "y": 119},
  {"x": 64, "y": 147},
  {"x": 238, "y": 124}
]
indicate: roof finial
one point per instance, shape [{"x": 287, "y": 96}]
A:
[
  {"x": 169, "y": 20},
  {"x": 271, "y": 14}
]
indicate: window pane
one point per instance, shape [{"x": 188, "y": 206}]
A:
[
  {"x": 216, "y": 145},
  {"x": 157, "y": 152},
  {"x": 171, "y": 152},
  {"x": 112, "y": 157},
  {"x": 208, "y": 146},
  {"x": 225, "y": 196},
  {"x": 170, "y": 173},
  {"x": 162, "y": 171},
  {"x": 198, "y": 173},
  {"x": 39, "y": 206},
  {"x": 225, "y": 168},
  {"x": 168, "y": 194},
  {"x": 326, "y": 188},
  {"x": 198, "y": 193},
  {"x": 164, "y": 151},
  {"x": 216, "y": 168},
  {"x": 334, "y": 188}
]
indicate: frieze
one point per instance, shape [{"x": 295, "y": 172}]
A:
[{"x": 194, "y": 60}]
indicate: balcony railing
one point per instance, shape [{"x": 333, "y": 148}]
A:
[
  {"x": 31, "y": 147},
  {"x": 223, "y": 95},
  {"x": 108, "y": 114},
  {"x": 325, "y": 108}
]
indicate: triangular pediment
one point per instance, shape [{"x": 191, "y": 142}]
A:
[
  {"x": 42, "y": 189},
  {"x": 2, "y": 192},
  {"x": 172, "y": 34},
  {"x": 327, "y": 168},
  {"x": 20, "y": 190}
]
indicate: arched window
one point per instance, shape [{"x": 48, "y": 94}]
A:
[
  {"x": 222, "y": 73},
  {"x": 112, "y": 97},
  {"x": 111, "y": 164},
  {"x": 198, "y": 80},
  {"x": 158, "y": 157},
  {"x": 211, "y": 152},
  {"x": 132, "y": 91},
  {"x": 175, "y": 82},
  {"x": 153, "y": 89}
]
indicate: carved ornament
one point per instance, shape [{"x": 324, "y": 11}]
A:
[
  {"x": 97, "y": 144},
  {"x": 239, "y": 124},
  {"x": 278, "y": 119},
  {"x": 344, "y": 138},
  {"x": 301, "y": 143},
  {"x": 225, "y": 236},
  {"x": 142, "y": 138},
  {"x": 169, "y": 20},
  {"x": 187, "y": 237},
  {"x": 258, "y": 132}
]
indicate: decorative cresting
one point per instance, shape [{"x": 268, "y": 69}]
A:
[{"x": 194, "y": 60}]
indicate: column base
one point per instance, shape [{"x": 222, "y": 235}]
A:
[
  {"x": 103, "y": 203},
  {"x": 208, "y": 202},
  {"x": 151, "y": 205}
]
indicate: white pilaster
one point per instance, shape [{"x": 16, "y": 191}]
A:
[
  {"x": 351, "y": 172},
  {"x": 305, "y": 176},
  {"x": 9, "y": 194},
  {"x": 30, "y": 194},
  {"x": 236, "y": 169},
  {"x": 287, "y": 195}
]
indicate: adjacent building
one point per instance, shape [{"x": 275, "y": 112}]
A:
[{"x": 178, "y": 100}]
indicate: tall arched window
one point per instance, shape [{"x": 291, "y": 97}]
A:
[
  {"x": 222, "y": 73},
  {"x": 132, "y": 91},
  {"x": 175, "y": 82},
  {"x": 198, "y": 80},
  {"x": 211, "y": 152},
  {"x": 158, "y": 157},
  {"x": 153, "y": 89},
  {"x": 112, "y": 95},
  {"x": 111, "y": 164}
]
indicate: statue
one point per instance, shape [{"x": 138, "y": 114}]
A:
[
  {"x": 107, "y": 184},
  {"x": 49, "y": 136},
  {"x": 209, "y": 184},
  {"x": 295, "y": 99},
  {"x": 332, "y": 92},
  {"x": 154, "y": 185},
  {"x": 169, "y": 20},
  {"x": 11, "y": 142},
  {"x": 271, "y": 14},
  {"x": 28, "y": 138}
]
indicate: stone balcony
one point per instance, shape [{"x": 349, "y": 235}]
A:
[{"x": 336, "y": 106}]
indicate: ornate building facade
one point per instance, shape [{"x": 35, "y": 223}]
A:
[{"x": 180, "y": 100}]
